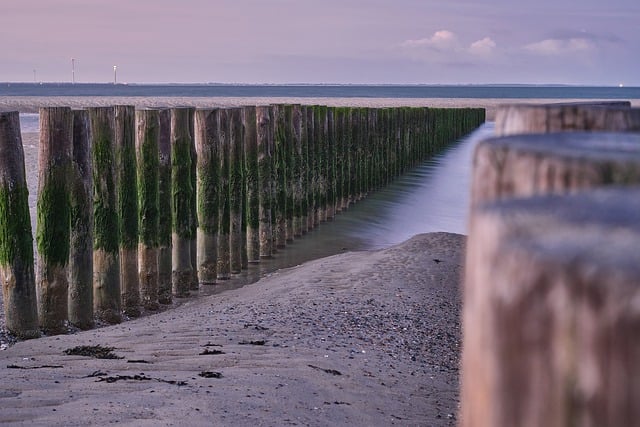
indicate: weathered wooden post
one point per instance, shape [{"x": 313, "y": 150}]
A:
[
  {"x": 54, "y": 217},
  {"x": 264, "y": 142},
  {"x": 252, "y": 214},
  {"x": 551, "y": 319},
  {"x": 148, "y": 163},
  {"x": 311, "y": 168},
  {"x": 613, "y": 116},
  {"x": 106, "y": 232},
  {"x": 181, "y": 192},
  {"x": 280, "y": 174},
  {"x": 207, "y": 123},
  {"x": 81, "y": 240},
  {"x": 194, "y": 284},
  {"x": 16, "y": 241},
  {"x": 296, "y": 160},
  {"x": 126, "y": 196},
  {"x": 304, "y": 170},
  {"x": 290, "y": 172},
  {"x": 236, "y": 190},
  {"x": 526, "y": 165},
  {"x": 165, "y": 209},
  {"x": 330, "y": 150},
  {"x": 224, "y": 204}
]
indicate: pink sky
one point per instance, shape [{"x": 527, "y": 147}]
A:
[{"x": 329, "y": 41}]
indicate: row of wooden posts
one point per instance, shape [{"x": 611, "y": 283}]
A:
[
  {"x": 552, "y": 276},
  {"x": 135, "y": 207}
]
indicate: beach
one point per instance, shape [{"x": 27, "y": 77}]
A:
[{"x": 360, "y": 338}]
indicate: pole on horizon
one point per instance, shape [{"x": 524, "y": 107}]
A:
[
  {"x": 115, "y": 74},
  {"x": 73, "y": 71}
]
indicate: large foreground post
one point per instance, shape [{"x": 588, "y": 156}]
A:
[
  {"x": 16, "y": 241},
  {"x": 207, "y": 125},
  {"x": 224, "y": 205},
  {"x": 147, "y": 135},
  {"x": 81, "y": 241},
  {"x": 551, "y": 319},
  {"x": 106, "y": 233}
]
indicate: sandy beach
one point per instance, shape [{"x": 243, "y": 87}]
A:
[{"x": 363, "y": 338}]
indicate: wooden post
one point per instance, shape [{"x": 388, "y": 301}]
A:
[
  {"x": 126, "y": 182},
  {"x": 194, "y": 284},
  {"x": 264, "y": 133},
  {"x": 224, "y": 205},
  {"x": 304, "y": 170},
  {"x": 252, "y": 183},
  {"x": 16, "y": 241},
  {"x": 544, "y": 118},
  {"x": 207, "y": 132},
  {"x": 106, "y": 232},
  {"x": 165, "y": 209},
  {"x": 525, "y": 165},
  {"x": 311, "y": 168},
  {"x": 148, "y": 163},
  {"x": 54, "y": 217},
  {"x": 236, "y": 190},
  {"x": 330, "y": 150},
  {"x": 290, "y": 172},
  {"x": 81, "y": 247},
  {"x": 181, "y": 192},
  {"x": 280, "y": 173},
  {"x": 297, "y": 171},
  {"x": 551, "y": 321}
]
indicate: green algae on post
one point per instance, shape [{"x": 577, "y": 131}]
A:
[
  {"x": 106, "y": 232},
  {"x": 16, "y": 240},
  {"x": 207, "y": 123},
  {"x": 147, "y": 135},
  {"x": 80, "y": 244}
]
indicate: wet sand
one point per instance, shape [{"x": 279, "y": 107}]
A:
[{"x": 362, "y": 338}]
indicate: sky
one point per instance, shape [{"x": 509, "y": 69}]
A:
[{"x": 583, "y": 42}]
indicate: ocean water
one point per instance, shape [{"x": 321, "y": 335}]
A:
[{"x": 319, "y": 91}]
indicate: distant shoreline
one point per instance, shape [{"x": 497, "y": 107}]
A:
[{"x": 31, "y": 104}]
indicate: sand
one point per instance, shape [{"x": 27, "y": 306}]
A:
[{"x": 362, "y": 338}]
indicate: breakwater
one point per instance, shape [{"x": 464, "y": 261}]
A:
[{"x": 185, "y": 197}]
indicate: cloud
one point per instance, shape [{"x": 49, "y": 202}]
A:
[
  {"x": 445, "y": 47},
  {"x": 554, "y": 47},
  {"x": 483, "y": 47},
  {"x": 440, "y": 40}
]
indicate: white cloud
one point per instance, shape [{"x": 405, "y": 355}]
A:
[
  {"x": 440, "y": 40},
  {"x": 560, "y": 46},
  {"x": 482, "y": 47}
]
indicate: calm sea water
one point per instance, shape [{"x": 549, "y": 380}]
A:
[{"x": 341, "y": 91}]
